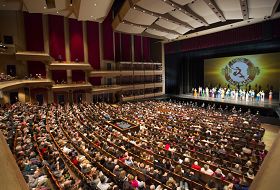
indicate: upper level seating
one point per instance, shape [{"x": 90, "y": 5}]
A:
[
  {"x": 4, "y": 77},
  {"x": 179, "y": 146}
]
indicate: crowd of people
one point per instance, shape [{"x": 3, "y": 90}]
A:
[
  {"x": 178, "y": 146},
  {"x": 4, "y": 77},
  {"x": 231, "y": 93}
]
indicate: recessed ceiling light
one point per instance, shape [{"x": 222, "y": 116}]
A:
[{"x": 95, "y": 4}]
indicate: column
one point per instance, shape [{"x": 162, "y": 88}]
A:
[
  {"x": 85, "y": 42},
  {"x": 50, "y": 95},
  {"x": 46, "y": 33},
  {"x": 69, "y": 76},
  {"x": 163, "y": 67},
  {"x": 66, "y": 36}
]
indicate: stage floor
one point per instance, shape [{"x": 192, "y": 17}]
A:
[{"x": 273, "y": 104}]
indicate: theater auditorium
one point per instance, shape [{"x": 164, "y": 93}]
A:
[{"x": 139, "y": 94}]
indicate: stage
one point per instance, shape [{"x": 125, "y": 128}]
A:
[{"x": 266, "y": 108}]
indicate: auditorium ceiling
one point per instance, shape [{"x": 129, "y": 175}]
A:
[
  {"x": 180, "y": 19},
  {"x": 163, "y": 19},
  {"x": 95, "y": 10}
]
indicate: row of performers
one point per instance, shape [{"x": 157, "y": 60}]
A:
[{"x": 230, "y": 93}]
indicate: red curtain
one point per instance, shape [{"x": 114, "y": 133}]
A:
[
  {"x": 117, "y": 47},
  {"x": 108, "y": 47},
  {"x": 126, "y": 47},
  {"x": 238, "y": 35},
  {"x": 95, "y": 81},
  {"x": 36, "y": 67},
  {"x": 33, "y": 32},
  {"x": 56, "y": 37},
  {"x": 146, "y": 49},
  {"x": 137, "y": 48},
  {"x": 59, "y": 75},
  {"x": 227, "y": 37},
  {"x": 93, "y": 44},
  {"x": 76, "y": 40},
  {"x": 78, "y": 76}
]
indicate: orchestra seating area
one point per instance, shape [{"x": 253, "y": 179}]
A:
[{"x": 178, "y": 146}]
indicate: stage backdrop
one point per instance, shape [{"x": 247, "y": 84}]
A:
[{"x": 259, "y": 70}]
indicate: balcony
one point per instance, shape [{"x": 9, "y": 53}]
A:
[
  {"x": 69, "y": 66},
  {"x": 15, "y": 84},
  {"x": 115, "y": 73},
  {"x": 106, "y": 89},
  {"x": 74, "y": 86},
  {"x": 33, "y": 56}
]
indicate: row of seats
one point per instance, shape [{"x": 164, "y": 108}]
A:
[{"x": 179, "y": 146}]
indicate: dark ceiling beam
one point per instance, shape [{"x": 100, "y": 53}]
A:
[
  {"x": 244, "y": 9},
  {"x": 275, "y": 8},
  {"x": 214, "y": 7},
  {"x": 165, "y": 17},
  {"x": 187, "y": 11}
]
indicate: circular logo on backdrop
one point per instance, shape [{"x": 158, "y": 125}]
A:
[{"x": 240, "y": 71}]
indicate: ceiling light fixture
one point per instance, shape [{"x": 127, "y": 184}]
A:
[{"x": 95, "y": 4}]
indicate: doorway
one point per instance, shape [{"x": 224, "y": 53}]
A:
[
  {"x": 40, "y": 99},
  {"x": 60, "y": 99},
  {"x": 13, "y": 97},
  {"x": 11, "y": 70}
]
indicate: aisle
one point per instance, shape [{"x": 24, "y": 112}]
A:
[
  {"x": 270, "y": 135},
  {"x": 10, "y": 175}
]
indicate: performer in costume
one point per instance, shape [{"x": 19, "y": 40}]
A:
[
  {"x": 236, "y": 94},
  {"x": 247, "y": 96},
  {"x": 223, "y": 93},
  {"x": 270, "y": 95},
  {"x": 232, "y": 94},
  {"x": 195, "y": 92},
  {"x": 262, "y": 95},
  {"x": 252, "y": 95},
  {"x": 207, "y": 91},
  {"x": 258, "y": 96}
]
